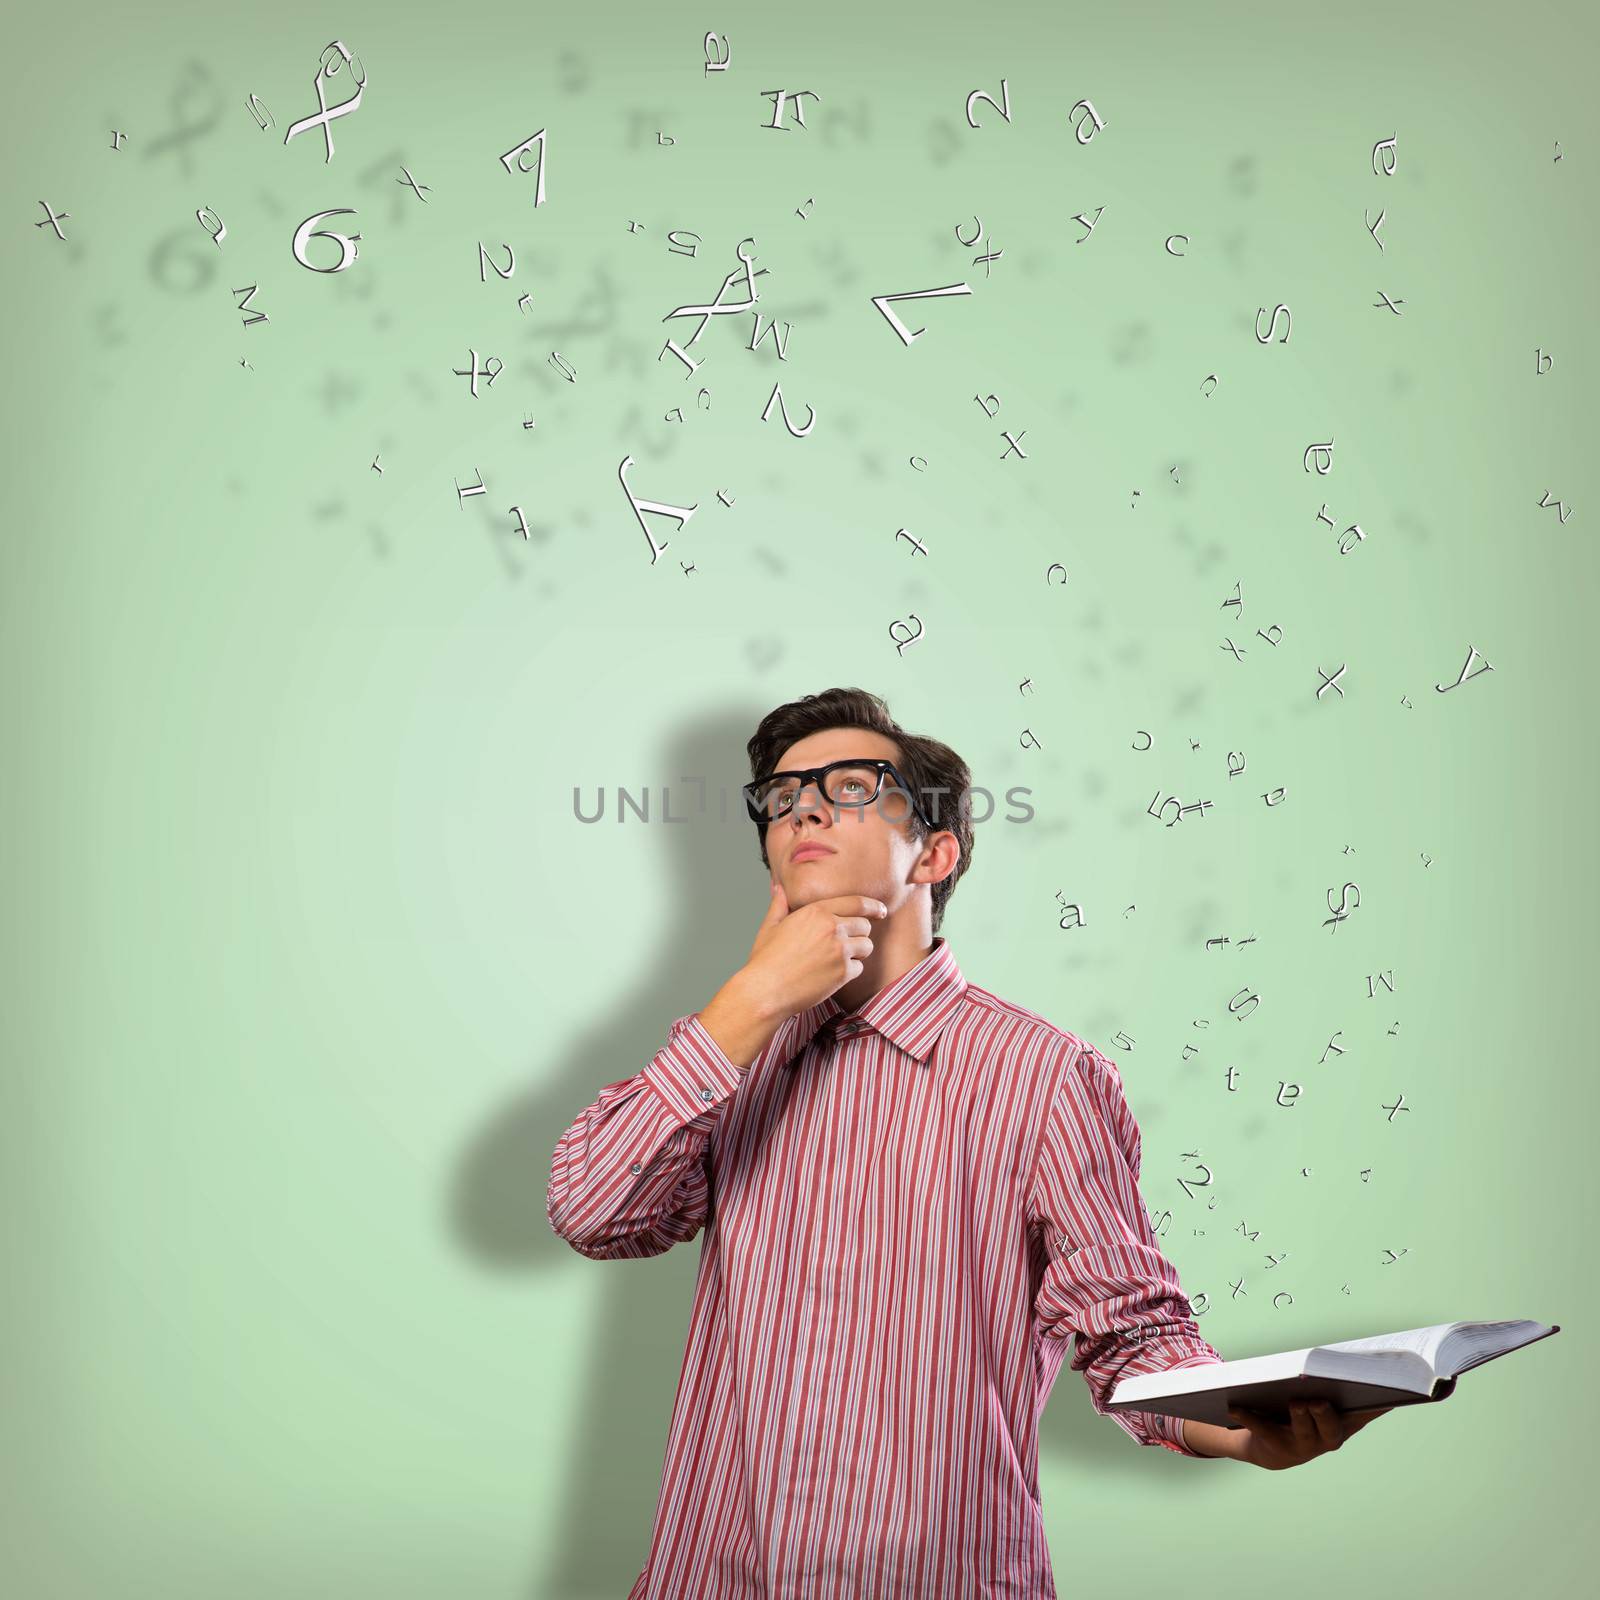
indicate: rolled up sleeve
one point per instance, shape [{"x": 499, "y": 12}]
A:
[{"x": 1107, "y": 1281}]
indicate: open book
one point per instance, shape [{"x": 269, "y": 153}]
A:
[{"x": 1390, "y": 1369}]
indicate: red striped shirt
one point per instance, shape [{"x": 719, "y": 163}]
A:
[{"x": 908, "y": 1210}]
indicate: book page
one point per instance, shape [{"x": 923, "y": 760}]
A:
[{"x": 1424, "y": 1342}]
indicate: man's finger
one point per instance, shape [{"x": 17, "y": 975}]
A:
[
  {"x": 1269, "y": 1426},
  {"x": 1301, "y": 1426},
  {"x": 1247, "y": 1418},
  {"x": 854, "y": 905},
  {"x": 1326, "y": 1420}
]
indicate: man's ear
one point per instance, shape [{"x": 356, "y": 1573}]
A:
[{"x": 932, "y": 843}]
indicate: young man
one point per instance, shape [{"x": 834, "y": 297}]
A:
[{"x": 913, "y": 1193}]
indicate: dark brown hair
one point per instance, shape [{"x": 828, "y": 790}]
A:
[{"x": 925, "y": 764}]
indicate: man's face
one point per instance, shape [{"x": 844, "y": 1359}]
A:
[{"x": 867, "y": 849}]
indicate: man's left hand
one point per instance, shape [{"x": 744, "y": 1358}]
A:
[{"x": 1314, "y": 1428}]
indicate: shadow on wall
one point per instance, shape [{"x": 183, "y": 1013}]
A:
[{"x": 613, "y": 1458}]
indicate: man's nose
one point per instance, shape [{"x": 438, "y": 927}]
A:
[{"x": 800, "y": 808}]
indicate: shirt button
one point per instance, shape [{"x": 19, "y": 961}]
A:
[
  {"x": 636, "y": 1168},
  {"x": 705, "y": 1093}
]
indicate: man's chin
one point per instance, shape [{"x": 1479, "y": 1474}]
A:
[{"x": 805, "y": 884}]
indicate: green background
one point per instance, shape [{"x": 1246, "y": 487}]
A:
[{"x": 310, "y": 962}]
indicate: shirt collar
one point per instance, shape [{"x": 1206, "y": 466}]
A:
[{"x": 911, "y": 1012}]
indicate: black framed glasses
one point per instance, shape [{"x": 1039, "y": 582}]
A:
[{"x": 852, "y": 784}]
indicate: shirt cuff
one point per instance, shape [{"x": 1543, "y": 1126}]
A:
[
  {"x": 691, "y": 1073},
  {"x": 1169, "y": 1430}
]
